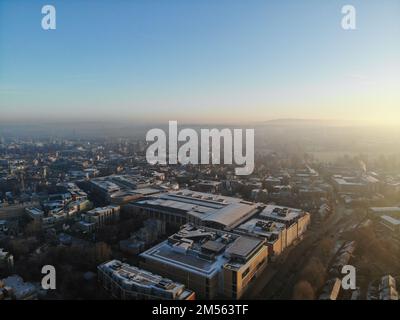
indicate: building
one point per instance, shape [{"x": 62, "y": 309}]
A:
[
  {"x": 274, "y": 234},
  {"x": 356, "y": 184},
  {"x": 391, "y": 223},
  {"x": 118, "y": 186},
  {"x": 380, "y": 211},
  {"x": 46, "y": 219},
  {"x": 98, "y": 217},
  {"x": 6, "y": 260},
  {"x": 142, "y": 238},
  {"x": 14, "y": 287},
  {"x": 4, "y": 226},
  {"x": 103, "y": 187},
  {"x": 15, "y": 211},
  {"x": 199, "y": 208},
  {"x": 211, "y": 262},
  {"x": 387, "y": 288},
  {"x": 295, "y": 220},
  {"x": 124, "y": 196},
  {"x": 127, "y": 282},
  {"x": 35, "y": 213},
  {"x": 208, "y": 186}
]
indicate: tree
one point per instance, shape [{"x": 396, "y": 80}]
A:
[
  {"x": 314, "y": 273},
  {"x": 21, "y": 247},
  {"x": 325, "y": 248},
  {"x": 102, "y": 252},
  {"x": 303, "y": 291},
  {"x": 33, "y": 228}
]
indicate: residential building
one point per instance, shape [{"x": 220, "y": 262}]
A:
[
  {"x": 126, "y": 282},
  {"x": 14, "y": 287},
  {"x": 98, "y": 217}
]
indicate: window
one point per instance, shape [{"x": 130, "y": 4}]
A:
[{"x": 245, "y": 273}]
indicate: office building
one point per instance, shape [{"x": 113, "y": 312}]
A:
[
  {"x": 199, "y": 208},
  {"x": 274, "y": 233},
  {"x": 211, "y": 262},
  {"x": 295, "y": 220}
]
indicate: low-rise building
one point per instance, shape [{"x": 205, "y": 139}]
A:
[
  {"x": 142, "y": 238},
  {"x": 125, "y": 196},
  {"x": 211, "y": 262},
  {"x": 387, "y": 288},
  {"x": 6, "y": 260},
  {"x": 199, "y": 208},
  {"x": 126, "y": 282},
  {"x": 98, "y": 217},
  {"x": 274, "y": 234},
  {"x": 375, "y": 212},
  {"x": 208, "y": 186},
  {"x": 4, "y": 226},
  {"x": 35, "y": 213},
  {"x": 356, "y": 184},
  {"x": 391, "y": 223},
  {"x": 14, "y": 287},
  {"x": 295, "y": 220}
]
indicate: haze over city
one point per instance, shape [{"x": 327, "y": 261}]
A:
[{"x": 224, "y": 151}]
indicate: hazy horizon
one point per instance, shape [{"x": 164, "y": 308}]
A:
[{"x": 210, "y": 62}]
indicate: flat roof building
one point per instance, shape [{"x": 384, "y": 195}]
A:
[
  {"x": 125, "y": 196},
  {"x": 127, "y": 282},
  {"x": 295, "y": 220},
  {"x": 274, "y": 234},
  {"x": 379, "y": 211},
  {"x": 391, "y": 223},
  {"x": 14, "y": 287},
  {"x": 98, "y": 217},
  {"x": 204, "y": 209},
  {"x": 107, "y": 186},
  {"x": 211, "y": 262}
]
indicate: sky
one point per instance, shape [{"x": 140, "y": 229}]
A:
[{"x": 200, "y": 61}]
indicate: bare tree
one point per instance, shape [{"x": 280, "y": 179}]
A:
[{"x": 303, "y": 291}]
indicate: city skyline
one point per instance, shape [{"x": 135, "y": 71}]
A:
[{"x": 205, "y": 62}]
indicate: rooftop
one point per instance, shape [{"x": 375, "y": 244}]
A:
[
  {"x": 203, "y": 250},
  {"x": 97, "y": 211},
  {"x": 391, "y": 220},
  {"x": 281, "y": 214},
  {"x": 143, "y": 281},
  {"x": 225, "y": 211},
  {"x": 385, "y": 209},
  {"x": 266, "y": 229}
]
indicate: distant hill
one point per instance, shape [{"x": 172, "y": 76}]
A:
[{"x": 304, "y": 122}]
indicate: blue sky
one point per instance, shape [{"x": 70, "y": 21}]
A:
[{"x": 192, "y": 60}]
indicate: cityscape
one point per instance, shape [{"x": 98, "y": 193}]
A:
[
  {"x": 116, "y": 227},
  {"x": 87, "y": 214}
]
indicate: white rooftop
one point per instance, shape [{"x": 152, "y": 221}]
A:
[{"x": 227, "y": 211}]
